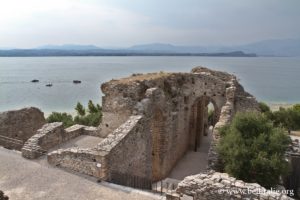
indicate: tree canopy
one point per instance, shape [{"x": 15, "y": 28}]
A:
[{"x": 252, "y": 149}]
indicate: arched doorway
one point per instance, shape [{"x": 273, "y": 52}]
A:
[{"x": 204, "y": 113}]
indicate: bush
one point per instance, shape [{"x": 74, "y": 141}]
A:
[
  {"x": 287, "y": 118},
  {"x": 252, "y": 149},
  {"x": 91, "y": 118},
  {"x": 65, "y": 118},
  {"x": 264, "y": 108}
]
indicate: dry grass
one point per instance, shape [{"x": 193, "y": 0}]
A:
[{"x": 142, "y": 77}]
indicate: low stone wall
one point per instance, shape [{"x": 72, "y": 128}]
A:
[
  {"x": 128, "y": 148},
  {"x": 47, "y": 137},
  {"x": 86, "y": 161},
  {"x": 216, "y": 186},
  {"x": 17, "y": 126},
  {"x": 121, "y": 152},
  {"x": 51, "y": 135}
]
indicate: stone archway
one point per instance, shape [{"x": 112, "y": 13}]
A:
[
  {"x": 158, "y": 141},
  {"x": 198, "y": 123}
]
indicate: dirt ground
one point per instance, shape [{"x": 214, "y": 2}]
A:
[{"x": 36, "y": 180}]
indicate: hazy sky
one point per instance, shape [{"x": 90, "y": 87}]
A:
[{"x": 30, "y": 23}]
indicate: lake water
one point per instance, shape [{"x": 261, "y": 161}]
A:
[{"x": 270, "y": 79}]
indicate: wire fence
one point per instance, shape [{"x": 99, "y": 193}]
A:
[{"x": 161, "y": 187}]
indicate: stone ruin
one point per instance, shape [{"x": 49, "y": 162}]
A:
[
  {"x": 16, "y": 127},
  {"x": 149, "y": 122}
]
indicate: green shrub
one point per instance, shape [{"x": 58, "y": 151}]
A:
[
  {"x": 264, "y": 107},
  {"x": 252, "y": 149},
  {"x": 67, "y": 119},
  {"x": 91, "y": 118},
  {"x": 288, "y": 118}
]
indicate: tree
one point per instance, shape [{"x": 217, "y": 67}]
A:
[
  {"x": 92, "y": 108},
  {"x": 288, "y": 118},
  {"x": 252, "y": 149},
  {"x": 92, "y": 118},
  {"x": 80, "y": 109}
]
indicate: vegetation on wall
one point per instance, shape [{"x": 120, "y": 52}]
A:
[
  {"x": 91, "y": 116},
  {"x": 252, "y": 149}
]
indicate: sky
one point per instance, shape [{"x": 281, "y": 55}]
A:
[{"x": 122, "y": 23}]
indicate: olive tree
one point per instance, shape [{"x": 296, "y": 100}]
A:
[{"x": 252, "y": 149}]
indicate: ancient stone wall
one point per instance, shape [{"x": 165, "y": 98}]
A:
[
  {"x": 216, "y": 186},
  {"x": 17, "y": 126},
  {"x": 124, "y": 151},
  {"x": 128, "y": 148},
  {"x": 51, "y": 135},
  {"x": 87, "y": 161}
]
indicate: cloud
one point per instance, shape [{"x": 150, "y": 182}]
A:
[{"x": 32, "y": 23}]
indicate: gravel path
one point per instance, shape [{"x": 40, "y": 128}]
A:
[{"x": 35, "y": 180}]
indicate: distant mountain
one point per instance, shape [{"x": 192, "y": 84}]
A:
[
  {"x": 288, "y": 47},
  {"x": 69, "y": 47}
]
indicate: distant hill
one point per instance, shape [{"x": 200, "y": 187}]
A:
[
  {"x": 69, "y": 47},
  {"x": 288, "y": 47}
]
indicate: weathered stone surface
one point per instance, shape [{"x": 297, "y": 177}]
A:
[
  {"x": 114, "y": 154},
  {"x": 17, "y": 126},
  {"x": 214, "y": 185},
  {"x": 46, "y": 137},
  {"x": 86, "y": 161},
  {"x": 51, "y": 135},
  {"x": 174, "y": 106}
]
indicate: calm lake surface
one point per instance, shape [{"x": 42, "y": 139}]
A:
[{"x": 270, "y": 79}]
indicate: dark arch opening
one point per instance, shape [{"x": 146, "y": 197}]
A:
[
  {"x": 200, "y": 120},
  {"x": 158, "y": 140}
]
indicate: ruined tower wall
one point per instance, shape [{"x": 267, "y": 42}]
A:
[
  {"x": 174, "y": 96},
  {"x": 17, "y": 126}
]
